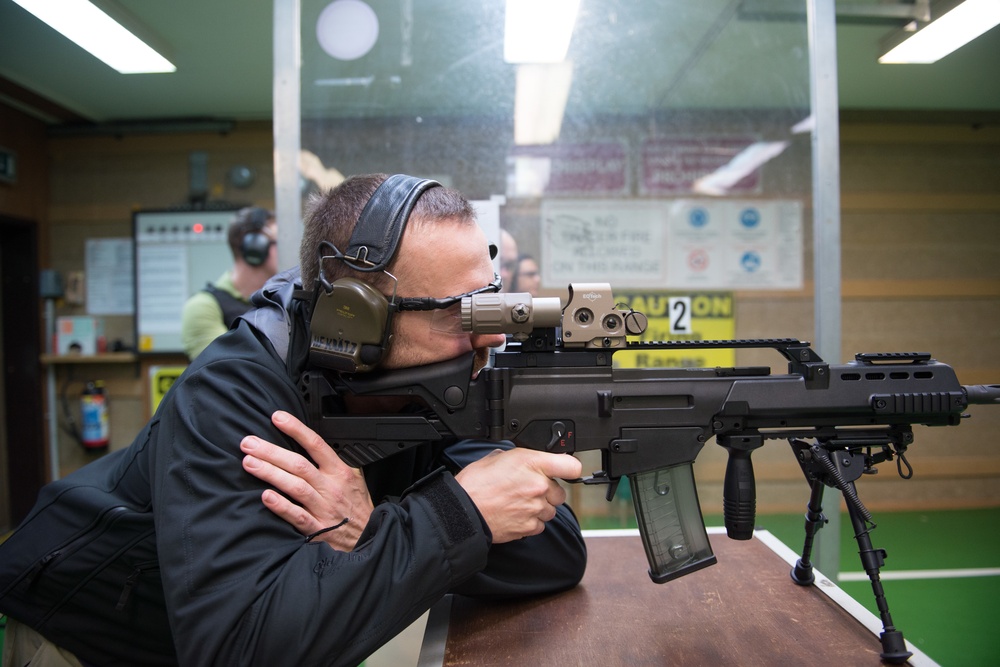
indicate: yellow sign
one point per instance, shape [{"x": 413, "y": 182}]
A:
[
  {"x": 161, "y": 378},
  {"x": 681, "y": 316}
]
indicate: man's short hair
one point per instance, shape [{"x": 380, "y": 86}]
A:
[{"x": 333, "y": 215}]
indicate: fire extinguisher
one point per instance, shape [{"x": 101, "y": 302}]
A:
[{"x": 94, "y": 408}]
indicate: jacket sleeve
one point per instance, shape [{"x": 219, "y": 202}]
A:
[
  {"x": 242, "y": 586},
  {"x": 549, "y": 562}
]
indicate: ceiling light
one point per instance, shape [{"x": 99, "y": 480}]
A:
[
  {"x": 538, "y": 32},
  {"x": 96, "y": 32},
  {"x": 749, "y": 160},
  {"x": 952, "y": 29},
  {"x": 807, "y": 124},
  {"x": 540, "y": 101},
  {"x": 346, "y": 81}
]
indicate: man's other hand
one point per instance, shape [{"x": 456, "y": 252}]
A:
[{"x": 318, "y": 496}]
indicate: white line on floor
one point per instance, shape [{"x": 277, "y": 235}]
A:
[{"x": 923, "y": 574}]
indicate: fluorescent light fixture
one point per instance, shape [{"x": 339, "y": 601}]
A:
[
  {"x": 540, "y": 101},
  {"x": 943, "y": 35},
  {"x": 807, "y": 124},
  {"x": 538, "y": 32},
  {"x": 98, "y": 33},
  {"x": 751, "y": 158},
  {"x": 528, "y": 175},
  {"x": 345, "y": 82}
]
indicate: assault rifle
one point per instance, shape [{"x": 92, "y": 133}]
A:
[{"x": 554, "y": 388}]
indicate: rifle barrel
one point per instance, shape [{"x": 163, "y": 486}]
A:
[{"x": 983, "y": 394}]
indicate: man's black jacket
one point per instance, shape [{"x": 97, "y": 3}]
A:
[{"x": 162, "y": 553}]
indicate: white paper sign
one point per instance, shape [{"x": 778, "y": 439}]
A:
[
  {"x": 696, "y": 244},
  {"x": 110, "y": 283},
  {"x": 735, "y": 244},
  {"x": 163, "y": 286},
  {"x": 616, "y": 241}
]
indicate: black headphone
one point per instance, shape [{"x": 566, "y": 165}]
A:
[
  {"x": 255, "y": 246},
  {"x": 351, "y": 325}
]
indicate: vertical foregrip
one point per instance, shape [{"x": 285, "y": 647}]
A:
[{"x": 739, "y": 494}]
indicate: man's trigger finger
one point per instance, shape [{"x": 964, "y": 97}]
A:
[{"x": 560, "y": 466}]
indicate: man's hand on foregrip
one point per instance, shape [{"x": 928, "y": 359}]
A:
[{"x": 516, "y": 491}]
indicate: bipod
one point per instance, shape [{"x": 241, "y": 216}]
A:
[
  {"x": 893, "y": 645},
  {"x": 802, "y": 573},
  {"x": 839, "y": 469}
]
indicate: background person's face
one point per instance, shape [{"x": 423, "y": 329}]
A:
[
  {"x": 529, "y": 279},
  {"x": 271, "y": 263}
]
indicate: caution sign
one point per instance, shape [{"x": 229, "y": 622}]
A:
[
  {"x": 161, "y": 378},
  {"x": 681, "y": 316}
]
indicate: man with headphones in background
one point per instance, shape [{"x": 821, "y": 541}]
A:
[
  {"x": 209, "y": 313},
  {"x": 169, "y": 552}
]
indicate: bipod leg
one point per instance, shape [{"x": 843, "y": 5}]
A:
[
  {"x": 893, "y": 646},
  {"x": 802, "y": 573}
]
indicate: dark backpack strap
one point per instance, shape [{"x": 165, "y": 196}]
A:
[{"x": 230, "y": 305}]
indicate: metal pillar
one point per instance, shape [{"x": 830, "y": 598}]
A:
[
  {"x": 822, "y": 29},
  {"x": 287, "y": 132}
]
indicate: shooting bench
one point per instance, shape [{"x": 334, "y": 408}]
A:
[{"x": 745, "y": 610}]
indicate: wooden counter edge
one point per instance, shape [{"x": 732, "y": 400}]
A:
[{"x": 433, "y": 647}]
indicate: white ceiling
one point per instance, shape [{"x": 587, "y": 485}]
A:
[{"x": 667, "y": 53}]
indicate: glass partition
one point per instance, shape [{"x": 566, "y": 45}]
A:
[
  {"x": 661, "y": 146},
  {"x": 652, "y": 117}
]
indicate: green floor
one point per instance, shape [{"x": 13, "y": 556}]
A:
[{"x": 952, "y": 620}]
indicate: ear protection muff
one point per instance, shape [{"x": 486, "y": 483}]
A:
[
  {"x": 350, "y": 329},
  {"x": 255, "y": 245},
  {"x": 350, "y": 326}
]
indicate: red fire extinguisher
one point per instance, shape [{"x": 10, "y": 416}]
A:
[{"x": 94, "y": 408}]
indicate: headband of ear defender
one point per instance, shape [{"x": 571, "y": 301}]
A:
[
  {"x": 351, "y": 323},
  {"x": 255, "y": 246}
]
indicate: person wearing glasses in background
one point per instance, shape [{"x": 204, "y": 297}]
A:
[
  {"x": 209, "y": 313},
  {"x": 527, "y": 277},
  {"x": 230, "y": 533}
]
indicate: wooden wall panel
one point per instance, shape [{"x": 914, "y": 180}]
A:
[
  {"x": 96, "y": 185},
  {"x": 921, "y": 244},
  {"x": 921, "y": 272},
  {"x": 921, "y": 264}
]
